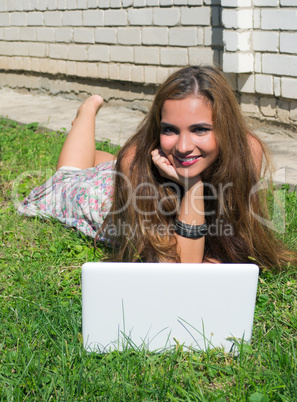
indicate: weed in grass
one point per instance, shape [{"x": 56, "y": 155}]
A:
[{"x": 41, "y": 350}]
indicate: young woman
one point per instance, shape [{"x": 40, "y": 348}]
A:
[{"x": 182, "y": 188}]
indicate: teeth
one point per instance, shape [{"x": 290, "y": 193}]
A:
[{"x": 187, "y": 159}]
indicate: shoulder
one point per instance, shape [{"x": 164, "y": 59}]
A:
[
  {"x": 256, "y": 149},
  {"x": 127, "y": 159}
]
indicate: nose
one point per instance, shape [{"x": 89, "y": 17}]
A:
[{"x": 184, "y": 144}]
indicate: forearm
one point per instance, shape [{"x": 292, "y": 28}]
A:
[{"x": 192, "y": 213}]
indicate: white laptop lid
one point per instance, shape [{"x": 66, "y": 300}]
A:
[{"x": 155, "y": 305}]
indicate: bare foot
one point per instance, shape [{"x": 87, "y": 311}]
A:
[{"x": 91, "y": 104}]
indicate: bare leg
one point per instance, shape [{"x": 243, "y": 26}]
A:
[{"x": 79, "y": 147}]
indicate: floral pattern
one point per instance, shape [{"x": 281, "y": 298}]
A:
[{"x": 77, "y": 198}]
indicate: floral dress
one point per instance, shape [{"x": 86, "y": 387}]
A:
[{"x": 77, "y": 198}]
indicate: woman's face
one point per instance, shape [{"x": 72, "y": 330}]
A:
[{"x": 187, "y": 138}]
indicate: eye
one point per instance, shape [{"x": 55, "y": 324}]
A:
[
  {"x": 201, "y": 129},
  {"x": 168, "y": 130}
]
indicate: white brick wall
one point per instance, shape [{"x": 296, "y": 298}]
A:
[{"x": 141, "y": 41}]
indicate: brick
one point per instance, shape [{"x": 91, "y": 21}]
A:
[
  {"x": 236, "y": 3},
  {"x": 72, "y": 18},
  {"x": 37, "y": 49},
  {"x": 103, "y": 70},
  {"x": 129, "y": 36},
  {"x": 77, "y": 53},
  {"x": 268, "y": 106},
  {"x": 183, "y": 36},
  {"x": 279, "y": 19},
  {"x": 200, "y": 36},
  {"x": 246, "y": 83},
  {"x": 27, "y": 34},
  {"x": 115, "y": 17},
  {"x": 62, "y": 67},
  {"x": 71, "y": 67},
  {"x": 152, "y": 3},
  {"x": 248, "y": 105},
  {"x": 83, "y": 35},
  {"x": 180, "y": 3},
  {"x": 114, "y": 71},
  {"x": 52, "y": 18},
  {"x": 105, "y": 35},
  {"x": 20, "y": 49},
  {"x": 146, "y": 55},
  {"x": 166, "y": 16},
  {"x": 93, "y": 18},
  {"x": 293, "y": 111},
  {"x": 258, "y": 62},
  {"x": 98, "y": 53},
  {"x": 6, "y": 49},
  {"x": 289, "y": 87},
  {"x": 139, "y": 3},
  {"x": 34, "y": 19},
  {"x": 264, "y": 84},
  {"x": 137, "y": 74},
  {"x": 195, "y": 2},
  {"x": 234, "y": 40},
  {"x": 27, "y": 64},
  {"x": 11, "y": 34},
  {"x": 155, "y": 36},
  {"x": 127, "y": 3},
  {"x": 5, "y": 19},
  {"x": 238, "y": 19},
  {"x": 81, "y": 69},
  {"x": 35, "y": 65},
  {"x": 289, "y": 3},
  {"x": 214, "y": 37},
  {"x": 103, "y": 3},
  {"x": 279, "y": 64},
  {"x": 140, "y": 17},
  {"x": 45, "y": 34},
  {"x": 92, "y": 70},
  {"x": 266, "y": 3},
  {"x": 150, "y": 75},
  {"x": 121, "y": 54},
  {"x": 18, "y": 63},
  {"x": 238, "y": 62},
  {"x": 174, "y": 57},
  {"x": 166, "y": 3},
  {"x": 125, "y": 72},
  {"x": 257, "y": 19},
  {"x": 3, "y": 5},
  {"x": 162, "y": 74},
  {"x": 283, "y": 110},
  {"x": 64, "y": 35},
  {"x": 200, "y": 55},
  {"x": 71, "y": 4},
  {"x": 52, "y": 5},
  {"x": 288, "y": 43},
  {"x": 276, "y": 86},
  {"x": 58, "y": 51},
  {"x": 265, "y": 41},
  {"x": 82, "y": 4},
  {"x": 195, "y": 16},
  {"x": 18, "y": 19},
  {"x": 115, "y": 3},
  {"x": 42, "y": 5},
  {"x": 62, "y": 4},
  {"x": 2, "y": 33},
  {"x": 92, "y": 4}
]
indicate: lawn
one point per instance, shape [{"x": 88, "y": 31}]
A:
[{"x": 41, "y": 351}]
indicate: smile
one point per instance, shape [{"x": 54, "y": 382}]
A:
[{"x": 187, "y": 161}]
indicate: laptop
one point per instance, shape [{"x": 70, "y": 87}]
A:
[{"x": 158, "y": 306}]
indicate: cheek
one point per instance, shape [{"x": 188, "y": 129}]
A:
[{"x": 166, "y": 143}]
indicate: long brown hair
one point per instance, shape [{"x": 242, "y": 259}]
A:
[{"x": 239, "y": 234}]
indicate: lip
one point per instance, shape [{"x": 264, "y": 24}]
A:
[{"x": 188, "y": 160}]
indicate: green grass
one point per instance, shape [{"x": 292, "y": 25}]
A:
[{"x": 41, "y": 351}]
